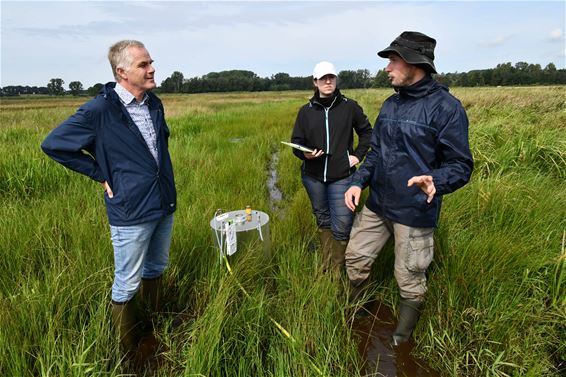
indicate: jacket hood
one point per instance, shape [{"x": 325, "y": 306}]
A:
[
  {"x": 421, "y": 88},
  {"x": 107, "y": 88}
]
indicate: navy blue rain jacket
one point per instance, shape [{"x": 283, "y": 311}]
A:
[
  {"x": 143, "y": 189},
  {"x": 421, "y": 130}
]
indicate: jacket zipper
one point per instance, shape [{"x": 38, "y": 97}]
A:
[{"x": 326, "y": 111}]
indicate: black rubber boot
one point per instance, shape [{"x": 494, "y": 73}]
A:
[
  {"x": 356, "y": 290},
  {"x": 409, "y": 313}
]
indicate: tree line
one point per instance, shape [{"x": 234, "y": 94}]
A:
[
  {"x": 238, "y": 80},
  {"x": 53, "y": 88},
  {"x": 505, "y": 74}
]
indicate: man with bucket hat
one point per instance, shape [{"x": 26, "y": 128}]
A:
[{"x": 419, "y": 152}]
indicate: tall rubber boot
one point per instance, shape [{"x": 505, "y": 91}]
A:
[
  {"x": 337, "y": 254},
  {"x": 125, "y": 320},
  {"x": 325, "y": 237},
  {"x": 357, "y": 290},
  {"x": 409, "y": 313},
  {"x": 150, "y": 292}
]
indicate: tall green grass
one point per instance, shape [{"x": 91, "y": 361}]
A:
[{"x": 497, "y": 294}]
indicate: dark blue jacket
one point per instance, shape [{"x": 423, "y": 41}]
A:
[
  {"x": 102, "y": 142},
  {"x": 421, "y": 130}
]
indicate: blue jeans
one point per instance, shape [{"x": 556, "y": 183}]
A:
[
  {"x": 328, "y": 205},
  {"x": 140, "y": 251}
]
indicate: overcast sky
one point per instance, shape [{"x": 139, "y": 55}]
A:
[{"x": 70, "y": 39}]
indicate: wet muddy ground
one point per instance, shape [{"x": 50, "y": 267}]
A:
[
  {"x": 375, "y": 330},
  {"x": 380, "y": 358}
]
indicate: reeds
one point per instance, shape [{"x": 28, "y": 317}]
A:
[{"x": 497, "y": 291}]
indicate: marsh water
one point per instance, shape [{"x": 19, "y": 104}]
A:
[
  {"x": 275, "y": 195},
  {"x": 380, "y": 359},
  {"x": 374, "y": 331}
]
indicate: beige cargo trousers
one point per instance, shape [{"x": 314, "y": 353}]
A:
[{"x": 414, "y": 250}]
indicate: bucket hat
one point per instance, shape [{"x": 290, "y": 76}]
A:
[
  {"x": 414, "y": 48},
  {"x": 323, "y": 69}
]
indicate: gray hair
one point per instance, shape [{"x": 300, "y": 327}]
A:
[{"x": 120, "y": 57}]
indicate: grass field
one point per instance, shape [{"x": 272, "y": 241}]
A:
[{"x": 497, "y": 295}]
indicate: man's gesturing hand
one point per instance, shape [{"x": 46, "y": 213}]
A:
[{"x": 426, "y": 184}]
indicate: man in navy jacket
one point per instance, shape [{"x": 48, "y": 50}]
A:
[
  {"x": 120, "y": 139},
  {"x": 419, "y": 152}
]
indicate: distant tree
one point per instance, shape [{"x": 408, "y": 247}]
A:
[
  {"x": 550, "y": 67},
  {"x": 521, "y": 66},
  {"x": 347, "y": 79},
  {"x": 280, "y": 81},
  {"x": 55, "y": 87},
  {"x": 173, "y": 84},
  {"x": 95, "y": 89},
  {"x": 76, "y": 87},
  {"x": 360, "y": 78},
  {"x": 381, "y": 79},
  {"x": 364, "y": 78},
  {"x": 503, "y": 74}
]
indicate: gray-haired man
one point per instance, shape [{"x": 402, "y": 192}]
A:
[{"x": 125, "y": 134}]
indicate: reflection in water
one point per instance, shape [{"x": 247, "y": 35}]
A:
[
  {"x": 380, "y": 359},
  {"x": 275, "y": 195}
]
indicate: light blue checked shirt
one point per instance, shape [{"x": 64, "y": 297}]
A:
[{"x": 139, "y": 112}]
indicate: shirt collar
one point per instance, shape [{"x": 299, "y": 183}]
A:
[{"x": 126, "y": 97}]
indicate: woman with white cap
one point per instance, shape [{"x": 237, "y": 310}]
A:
[{"x": 326, "y": 125}]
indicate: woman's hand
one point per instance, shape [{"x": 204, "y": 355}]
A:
[
  {"x": 354, "y": 161},
  {"x": 314, "y": 154}
]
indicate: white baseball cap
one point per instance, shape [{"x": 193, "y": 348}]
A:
[{"x": 323, "y": 69}]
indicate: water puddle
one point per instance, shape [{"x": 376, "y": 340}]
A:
[
  {"x": 275, "y": 195},
  {"x": 380, "y": 359}
]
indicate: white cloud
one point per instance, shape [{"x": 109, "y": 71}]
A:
[
  {"x": 42, "y": 40},
  {"x": 555, "y": 35},
  {"x": 496, "y": 42}
]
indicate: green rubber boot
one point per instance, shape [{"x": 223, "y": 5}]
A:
[
  {"x": 409, "y": 313},
  {"x": 337, "y": 254},
  {"x": 150, "y": 292},
  {"x": 325, "y": 237},
  {"x": 357, "y": 290},
  {"x": 125, "y": 320}
]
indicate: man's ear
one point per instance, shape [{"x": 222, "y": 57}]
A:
[{"x": 121, "y": 73}]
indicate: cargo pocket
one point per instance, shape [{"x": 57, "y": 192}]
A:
[{"x": 421, "y": 249}]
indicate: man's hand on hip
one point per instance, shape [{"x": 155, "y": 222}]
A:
[
  {"x": 107, "y": 189},
  {"x": 426, "y": 183}
]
